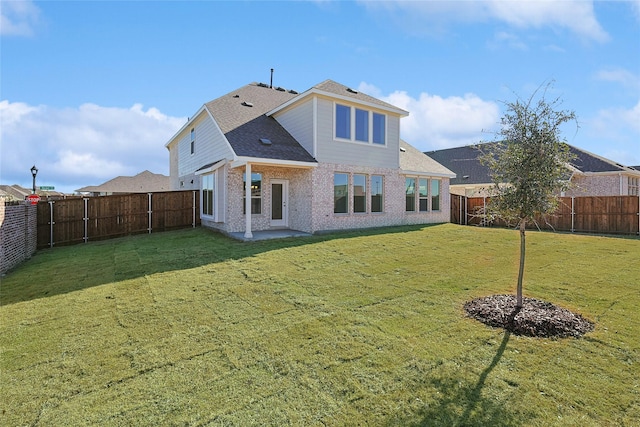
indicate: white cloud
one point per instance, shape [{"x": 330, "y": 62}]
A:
[
  {"x": 435, "y": 122},
  {"x": 620, "y": 128},
  {"x": 88, "y": 145},
  {"x": 18, "y": 18},
  {"x": 619, "y": 75},
  {"x": 576, "y": 16}
]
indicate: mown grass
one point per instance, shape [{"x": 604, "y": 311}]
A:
[{"x": 366, "y": 328}]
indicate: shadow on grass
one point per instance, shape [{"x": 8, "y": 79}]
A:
[
  {"x": 71, "y": 268},
  {"x": 462, "y": 403}
]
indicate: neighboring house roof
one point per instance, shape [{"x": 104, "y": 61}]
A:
[
  {"x": 464, "y": 161},
  {"x": 144, "y": 182},
  {"x": 587, "y": 162},
  {"x": 465, "y": 164},
  {"x": 413, "y": 160},
  {"x": 15, "y": 191},
  {"x": 240, "y": 114}
]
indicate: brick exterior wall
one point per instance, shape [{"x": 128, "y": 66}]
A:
[
  {"x": 311, "y": 200},
  {"x": 594, "y": 185},
  {"x": 18, "y": 234}
]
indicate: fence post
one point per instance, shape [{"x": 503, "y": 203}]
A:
[
  {"x": 484, "y": 210},
  {"x": 466, "y": 211},
  {"x": 86, "y": 219},
  {"x": 149, "y": 212},
  {"x": 193, "y": 222},
  {"x": 572, "y": 214},
  {"x": 638, "y": 233},
  {"x": 51, "y": 223}
]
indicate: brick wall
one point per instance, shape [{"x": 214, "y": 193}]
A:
[{"x": 18, "y": 234}]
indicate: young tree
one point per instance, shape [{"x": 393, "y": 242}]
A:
[{"x": 528, "y": 163}]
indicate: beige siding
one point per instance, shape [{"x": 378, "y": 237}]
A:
[
  {"x": 210, "y": 146},
  {"x": 298, "y": 122},
  {"x": 331, "y": 150}
]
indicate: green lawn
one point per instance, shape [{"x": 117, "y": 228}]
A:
[{"x": 363, "y": 328}]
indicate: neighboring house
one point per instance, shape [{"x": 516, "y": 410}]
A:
[
  {"x": 144, "y": 182},
  {"x": 14, "y": 192},
  {"x": 329, "y": 158},
  {"x": 590, "y": 174}
]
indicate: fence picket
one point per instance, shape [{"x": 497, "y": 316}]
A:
[
  {"x": 589, "y": 214},
  {"x": 78, "y": 220}
]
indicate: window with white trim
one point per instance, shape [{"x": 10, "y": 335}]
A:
[
  {"x": 359, "y": 125},
  {"x": 377, "y": 193},
  {"x": 435, "y": 194},
  {"x": 424, "y": 198},
  {"x": 193, "y": 140},
  {"x": 359, "y": 193},
  {"x": 423, "y": 194},
  {"x": 410, "y": 190},
  {"x": 256, "y": 193},
  {"x": 208, "y": 194},
  {"x": 340, "y": 193}
]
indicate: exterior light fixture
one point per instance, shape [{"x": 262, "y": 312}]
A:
[{"x": 34, "y": 172}]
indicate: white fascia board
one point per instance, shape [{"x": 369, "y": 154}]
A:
[
  {"x": 212, "y": 168},
  {"x": 185, "y": 126},
  {"x": 242, "y": 161},
  {"x": 435, "y": 174},
  {"x": 348, "y": 99}
]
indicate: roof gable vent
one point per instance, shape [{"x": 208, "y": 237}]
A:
[
  {"x": 247, "y": 104},
  {"x": 293, "y": 92},
  {"x": 281, "y": 89},
  {"x": 263, "y": 85},
  {"x": 265, "y": 141},
  {"x": 351, "y": 90}
]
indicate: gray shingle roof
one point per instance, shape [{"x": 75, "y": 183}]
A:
[
  {"x": 241, "y": 117},
  {"x": 587, "y": 162},
  {"x": 464, "y": 162}
]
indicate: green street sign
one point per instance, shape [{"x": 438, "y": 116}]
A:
[{"x": 47, "y": 187}]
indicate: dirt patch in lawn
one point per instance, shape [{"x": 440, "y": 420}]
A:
[{"x": 536, "y": 318}]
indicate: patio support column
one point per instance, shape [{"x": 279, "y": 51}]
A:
[{"x": 247, "y": 204}]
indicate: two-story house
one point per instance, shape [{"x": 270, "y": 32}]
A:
[{"x": 329, "y": 158}]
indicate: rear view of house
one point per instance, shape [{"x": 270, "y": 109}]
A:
[{"x": 329, "y": 158}]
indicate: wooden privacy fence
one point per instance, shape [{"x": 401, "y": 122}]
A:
[
  {"x": 78, "y": 220},
  {"x": 595, "y": 214}
]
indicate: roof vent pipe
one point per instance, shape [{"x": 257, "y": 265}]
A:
[{"x": 271, "y": 83}]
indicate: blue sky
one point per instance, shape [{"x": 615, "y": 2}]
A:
[{"x": 92, "y": 90}]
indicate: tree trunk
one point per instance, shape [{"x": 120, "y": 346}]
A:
[{"x": 523, "y": 223}]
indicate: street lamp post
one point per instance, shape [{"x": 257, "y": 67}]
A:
[{"x": 34, "y": 172}]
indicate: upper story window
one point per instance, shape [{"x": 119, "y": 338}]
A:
[
  {"x": 193, "y": 140},
  {"x": 379, "y": 128},
  {"x": 356, "y": 124},
  {"x": 343, "y": 121},
  {"x": 362, "y": 125}
]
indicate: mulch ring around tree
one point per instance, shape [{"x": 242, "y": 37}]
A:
[{"x": 536, "y": 318}]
